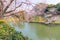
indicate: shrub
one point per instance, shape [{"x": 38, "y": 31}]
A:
[{"x": 9, "y": 33}]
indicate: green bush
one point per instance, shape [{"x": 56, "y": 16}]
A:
[
  {"x": 58, "y": 6},
  {"x": 8, "y": 33}
]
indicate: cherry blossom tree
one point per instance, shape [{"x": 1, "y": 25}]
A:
[
  {"x": 5, "y": 7},
  {"x": 38, "y": 10}
]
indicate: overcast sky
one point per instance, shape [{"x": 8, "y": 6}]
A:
[
  {"x": 53, "y": 1},
  {"x": 47, "y": 1}
]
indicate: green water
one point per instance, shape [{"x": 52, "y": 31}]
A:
[{"x": 36, "y": 31}]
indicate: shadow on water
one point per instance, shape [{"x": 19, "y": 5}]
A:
[{"x": 38, "y": 31}]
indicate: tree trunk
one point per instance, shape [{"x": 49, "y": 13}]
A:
[{"x": 1, "y": 16}]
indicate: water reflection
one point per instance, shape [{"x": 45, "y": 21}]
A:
[{"x": 37, "y": 31}]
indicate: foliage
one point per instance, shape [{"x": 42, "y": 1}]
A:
[
  {"x": 51, "y": 5},
  {"x": 9, "y": 33},
  {"x": 48, "y": 7},
  {"x": 19, "y": 36},
  {"x": 58, "y": 6}
]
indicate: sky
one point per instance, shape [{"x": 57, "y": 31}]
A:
[
  {"x": 53, "y": 1},
  {"x": 46, "y": 1}
]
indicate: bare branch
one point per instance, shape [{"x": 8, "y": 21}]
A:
[
  {"x": 19, "y": 6},
  {"x": 7, "y": 6},
  {"x": 9, "y": 14},
  {"x": 1, "y": 8},
  {"x": 1, "y": 2}
]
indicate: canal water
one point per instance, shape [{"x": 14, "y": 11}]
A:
[{"x": 36, "y": 31}]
